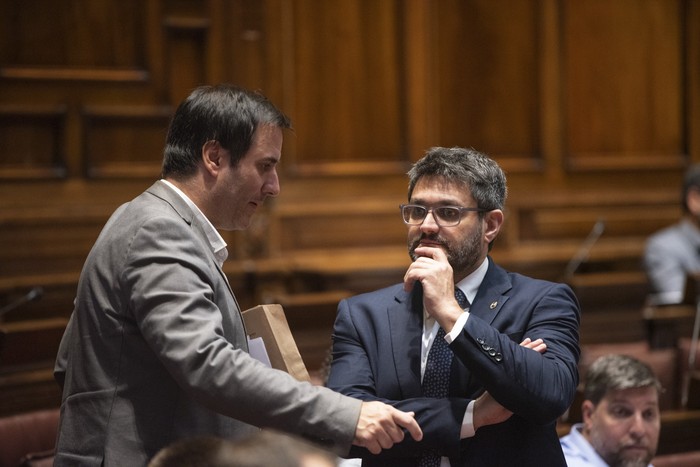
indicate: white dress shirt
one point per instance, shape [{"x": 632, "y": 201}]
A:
[
  {"x": 470, "y": 286},
  {"x": 216, "y": 241}
]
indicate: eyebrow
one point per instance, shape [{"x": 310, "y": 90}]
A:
[
  {"x": 268, "y": 159},
  {"x": 441, "y": 202}
]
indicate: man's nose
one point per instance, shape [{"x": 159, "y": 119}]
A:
[
  {"x": 272, "y": 185},
  {"x": 639, "y": 426},
  {"x": 429, "y": 224}
]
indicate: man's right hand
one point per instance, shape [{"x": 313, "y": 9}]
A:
[{"x": 381, "y": 426}]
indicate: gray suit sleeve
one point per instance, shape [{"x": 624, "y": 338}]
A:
[{"x": 188, "y": 317}]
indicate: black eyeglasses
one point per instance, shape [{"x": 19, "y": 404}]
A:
[{"x": 445, "y": 216}]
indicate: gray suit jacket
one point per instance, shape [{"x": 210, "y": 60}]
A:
[{"x": 156, "y": 349}]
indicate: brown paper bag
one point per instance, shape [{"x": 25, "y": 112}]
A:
[{"x": 269, "y": 322}]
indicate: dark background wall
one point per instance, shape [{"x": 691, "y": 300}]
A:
[{"x": 592, "y": 108}]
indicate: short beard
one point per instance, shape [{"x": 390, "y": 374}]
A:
[
  {"x": 637, "y": 462},
  {"x": 616, "y": 459},
  {"x": 462, "y": 259}
]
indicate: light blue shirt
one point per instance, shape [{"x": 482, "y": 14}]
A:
[
  {"x": 670, "y": 255},
  {"x": 578, "y": 451}
]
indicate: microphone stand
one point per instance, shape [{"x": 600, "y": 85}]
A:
[
  {"x": 30, "y": 296},
  {"x": 584, "y": 250}
]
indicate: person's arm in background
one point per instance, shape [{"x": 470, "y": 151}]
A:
[{"x": 664, "y": 270}]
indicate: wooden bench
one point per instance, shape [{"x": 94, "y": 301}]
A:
[
  {"x": 26, "y": 365},
  {"x": 29, "y": 343}
]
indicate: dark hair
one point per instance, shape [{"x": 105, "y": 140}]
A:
[
  {"x": 262, "y": 448},
  {"x": 199, "y": 451},
  {"x": 273, "y": 448},
  {"x": 615, "y": 372},
  {"x": 478, "y": 172},
  {"x": 691, "y": 180},
  {"x": 224, "y": 113}
]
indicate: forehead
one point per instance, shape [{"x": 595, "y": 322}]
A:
[
  {"x": 636, "y": 396},
  {"x": 434, "y": 189},
  {"x": 267, "y": 142}
]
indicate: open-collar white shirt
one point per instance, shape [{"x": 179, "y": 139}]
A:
[{"x": 216, "y": 241}]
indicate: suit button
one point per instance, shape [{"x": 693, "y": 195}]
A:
[{"x": 498, "y": 357}]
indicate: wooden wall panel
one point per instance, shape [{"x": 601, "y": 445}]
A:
[
  {"x": 591, "y": 107},
  {"x": 347, "y": 87},
  {"x": 487, "y": 80},
  {"x": 52, "y": 241},
  {"x": 341, "y": 225},
  {"x": 566, "y": 217},
  {"x": 691, "y": 98},
  {"x": 185, "y": 46},
  {"x": 125, "y": 142},
  {"x": 624, "y": 81},
  {"x": 248, "y": 28},
  {"x": 73, "y": 33},
  {"x": 31, "y": 143}
]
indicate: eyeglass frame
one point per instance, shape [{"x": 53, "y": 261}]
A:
[{"x": 435, "y": 218}]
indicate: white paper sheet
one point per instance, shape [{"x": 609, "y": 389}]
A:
[{"x": 256, "y": 348}]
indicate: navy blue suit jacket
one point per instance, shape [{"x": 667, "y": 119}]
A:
[{"x": 376, "y": 356}]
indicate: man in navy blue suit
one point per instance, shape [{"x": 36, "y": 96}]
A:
[{"x": 501, "y": 399}]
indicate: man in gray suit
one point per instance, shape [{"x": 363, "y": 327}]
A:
[{"x": 156, "y": 349}]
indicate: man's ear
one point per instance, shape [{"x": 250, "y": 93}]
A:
[
  {"x": 587, "y": 409},
  {"x": 693, "y": 201},
  {"x": 494, "y": 221},
  {"x": 213, "y": 157}
]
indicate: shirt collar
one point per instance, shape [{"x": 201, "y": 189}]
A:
[
  {"x": 216, "y": 241},
  {"x": 584, "y": 448},
  {"x": 690, "y": 230},
  {"x": 470, "y": 284}
]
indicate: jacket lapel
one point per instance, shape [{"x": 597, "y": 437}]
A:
[
  {"x": 492, "y": 293},
  {"x": 405, "y": 316},
  {"x": 164, "y": 192}
]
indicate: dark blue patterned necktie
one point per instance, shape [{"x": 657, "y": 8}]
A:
[
  {"x": 461, "y": 299},
  {"x": 436, "y": 379}
]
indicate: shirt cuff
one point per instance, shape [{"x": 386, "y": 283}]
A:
[
  {"x": 457, "y": 329},
  {"x": 467, "y": 430}
]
